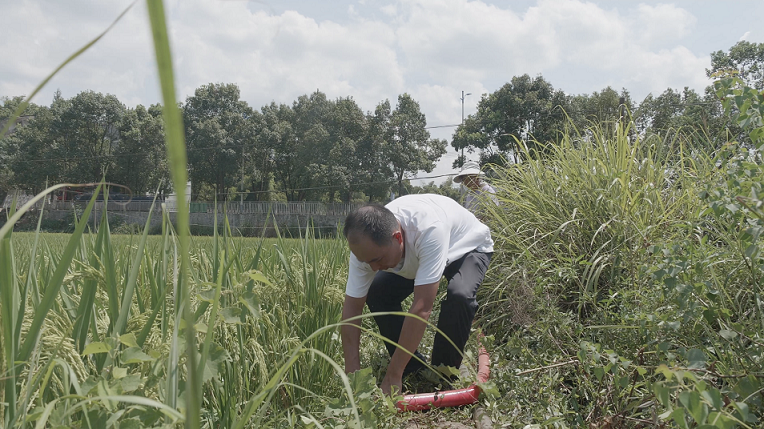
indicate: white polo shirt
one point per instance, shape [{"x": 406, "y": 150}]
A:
[{"x": 437, "y": 231}]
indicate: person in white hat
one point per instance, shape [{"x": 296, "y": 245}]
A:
[{"x": 470, "y": 176}]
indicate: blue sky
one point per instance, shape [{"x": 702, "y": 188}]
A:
[{"x": 374, "y": 50}]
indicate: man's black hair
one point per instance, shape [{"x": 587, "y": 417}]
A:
[{"x": 374, "y": 221}]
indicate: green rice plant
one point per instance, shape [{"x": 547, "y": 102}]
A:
[
  {"x": 251, "y": 334},
  {"x": 112, "y": 336}
]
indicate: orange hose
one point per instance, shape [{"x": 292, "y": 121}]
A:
[{"x": 450, "y": 398}]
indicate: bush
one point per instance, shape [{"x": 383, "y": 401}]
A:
[{"x": 626, "y": 288}]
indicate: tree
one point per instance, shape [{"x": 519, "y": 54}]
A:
[
  {"x": 745, "y": 57},
  {"x": 312, "y": 116},
  {"x": 340, "y": 168},
  {"x": 446, "y": 188},
  {"x": 297, "y": 139},
  {"x": 220, "y": 136},
  {"x": 602, "y": 109},
  {"x": 375, "y": 172},
  {"x": 85, "y": 135},
  {"x": 141, "y": 158},
  {"x": 30, "y": 154},
  {"x": 526, "y": 109},
  {"x": 410, "y": 148},
  {"x": 7, "y": 106},
  {"x": 25, "y": 147},
  {"x": 697, "y": 117},
  {"x": 279, "y": 137}
]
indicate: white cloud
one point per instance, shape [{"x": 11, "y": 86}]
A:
[
  {"x": 39, "y": 36},
  {"x": 450, "y": 43},
  {"x": 278, "y": 58},
  {"x": 446, "y": 44},
  {"x": 432, "y": 49},
  {"x": 389, "y": 10},
  {"x": 676, "y": 68},
  {"x": 744, "y": 36},
  {"x": 661, "y": 24}
]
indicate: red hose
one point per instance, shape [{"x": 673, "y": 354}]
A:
[{"x": 449, "y": 398}]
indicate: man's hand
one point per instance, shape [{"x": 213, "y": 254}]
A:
[{"x": 392, "y": 384}]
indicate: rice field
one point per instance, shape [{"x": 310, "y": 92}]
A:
[
  {"x": 111, "y": 324},
  {"x": 111, "y": 344}
]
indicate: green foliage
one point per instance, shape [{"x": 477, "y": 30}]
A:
[
  {"x": 745, "y": 57},
  {"x": 446, "y": 188},
  {"x": 692, "y": 399},
  {"x": 141, "y": 161},
  {"x": 526, "y": 111},
  {"x": 631, "y": 282},
  {"x": 686, "y": 115},
  {"x": 317, "y": 149},
  {"x": 409, "y": 147},
  {"x": 605, "y": 108},
  {"x": 220, "y": 131},
  {"x": 375, "y": 409},
  {"x": 747, "y": 104},
  {"x": 583, "y": 214},
  {"x": 84, "y": 139},
  {"x": 253, "y": 303}
]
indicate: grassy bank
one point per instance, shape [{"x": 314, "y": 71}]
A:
[{"x": 627, "y": 292}]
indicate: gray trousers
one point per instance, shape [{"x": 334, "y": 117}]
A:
[{"x": 457, "y": 310}]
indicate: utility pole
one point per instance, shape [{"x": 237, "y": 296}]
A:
[
  {"x": 622, "y": 114},
  {"x": 241, "y": 187},
  {"x": 463, "y": 95}
]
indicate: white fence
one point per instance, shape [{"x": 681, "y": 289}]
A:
[
  {"x": 20, "y": 198},
  {"x": 307, "y": 208}
]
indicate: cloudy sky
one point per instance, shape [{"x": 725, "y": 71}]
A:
[{"x": 277, "y": 50}]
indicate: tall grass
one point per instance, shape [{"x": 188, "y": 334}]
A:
[
  {"x": 582, "y": 214},
  {"x": 621, "y": 297}
]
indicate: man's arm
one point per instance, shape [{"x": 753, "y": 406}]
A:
[
  {"x": 351, "y": 333},
  {"x": 411, "y": 334}
]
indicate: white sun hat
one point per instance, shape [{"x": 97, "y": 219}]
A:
[{"x": 470, "y": 168}]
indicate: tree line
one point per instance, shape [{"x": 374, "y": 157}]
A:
[
  {"x": 314, "y": 149},
  {"x": 530, "y": 111},
  {"x": 329, "y": 150}
]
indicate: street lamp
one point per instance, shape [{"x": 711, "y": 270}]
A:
[{"x": 463, "y": 95}]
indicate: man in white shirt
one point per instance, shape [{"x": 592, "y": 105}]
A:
[{"x": 404, "y": 248}]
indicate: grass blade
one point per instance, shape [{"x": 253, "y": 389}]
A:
[
  {"x": 53, "y": 287},
  {"x": 9, "y": 303},
  {"x": 87, "y": 300},
  {"x": 176, "y": 154},
  {"x": 127, "y": 297}
]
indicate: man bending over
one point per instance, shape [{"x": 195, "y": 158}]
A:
[{"x": 405, "y": 247}]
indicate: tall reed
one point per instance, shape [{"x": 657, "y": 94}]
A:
[{"x": 574, "y": 221}]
